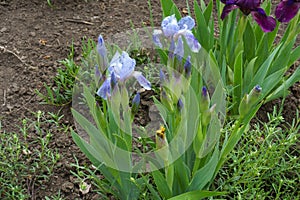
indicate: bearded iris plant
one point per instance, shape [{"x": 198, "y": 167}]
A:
[{"x": 266, "y": 23}]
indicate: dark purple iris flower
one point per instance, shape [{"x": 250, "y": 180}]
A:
[
  {"x": 287, "y": 9},
  {"x": 266, "y": 23}
]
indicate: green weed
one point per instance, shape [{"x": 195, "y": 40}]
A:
[
  {"x": 27, "y": 161},
  {"x": 61, "y": 92},
  {"x": 265, "y": 164}
]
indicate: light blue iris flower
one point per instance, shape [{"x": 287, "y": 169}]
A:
[
  {"x": 174, "y": 30},
  {"x": 121, "y": 68}
]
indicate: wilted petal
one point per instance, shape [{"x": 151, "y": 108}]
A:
[
  {"x": 156, "y": 37},
  {"x": 142, "y": 80},
  {"x": 84, "y": 187},
  {"x": 266, "y": 23},
  {"x": 192, "y": 41},
  {"x": 286, "y": 10},
  {"x": 227, "y": 9},
  {"x": 186, "y": 23},
  {"x": 179, "y": 50},
  {"x": 105, "y": 89},
  {"x": 170, "y": 26}
]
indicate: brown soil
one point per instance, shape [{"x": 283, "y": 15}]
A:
[{"x": 35, "y": 37}]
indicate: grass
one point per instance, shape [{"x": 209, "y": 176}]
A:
[
  {"x": 265, "y": 164},
  {"x": 27, "y": 161},
  {"x": 61, "y": 92}
]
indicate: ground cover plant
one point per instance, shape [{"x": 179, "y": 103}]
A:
[
  {"x": 265, "y": 163},
  {"x": 182, "y": 84},
  {"x": 23, "y": 167}
]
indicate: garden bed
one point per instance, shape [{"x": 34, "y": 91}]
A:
[{"x": 34, "y": 37}]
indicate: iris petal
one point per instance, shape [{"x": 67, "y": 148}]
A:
[
  {"x": 156, "y": 38},
  {"x": 179, "y": 50},
  {"x": 266, "y": 23},
  {"x": 192, "y": 41},
  {"x": 248, "y": 4},
  {"x": 286, "y": 10},
  {"x": 105, "y": 89},
  {"x": 122, "y": 65},
  {"x": 171, "y": 49},
  {"x": 142, "y": 80},
  {"x": 173, "y": 30},
  {"x": 127, "y": 66},
  {"x": 227, "y": 9},
  {"x": 186, "y": 23},
  {"x": 114, "y": 62},
  {"x": 170, "y": 26}
]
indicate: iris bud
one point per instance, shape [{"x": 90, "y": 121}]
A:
[
  {"x": 249, "y": 100},
  {"x": 187, "y": 67},
  {"x": 179, "y": 104},
  {"x": 204, "y": 100},
  {"x": 135, "y": 103},
  {"x": 113, "y": 80}
]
